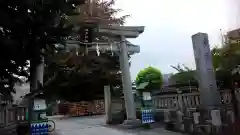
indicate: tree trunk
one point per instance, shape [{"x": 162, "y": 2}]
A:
[{"x": 36, "y": 79}]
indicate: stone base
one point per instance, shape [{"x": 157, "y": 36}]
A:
[
  {"x": 109, "y": 122},
  {"x": 130, "y": 124}
]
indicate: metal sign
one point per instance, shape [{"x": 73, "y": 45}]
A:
[
  {"x": 147, "y": 116},
  {"x": 39, "y": 128}
]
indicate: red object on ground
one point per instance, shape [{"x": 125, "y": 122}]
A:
[
  {"x": 82, "y": 108},
  {"x": 63, "y": 109}
]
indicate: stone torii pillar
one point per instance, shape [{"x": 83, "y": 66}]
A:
[{"x": 123, "y": 32}]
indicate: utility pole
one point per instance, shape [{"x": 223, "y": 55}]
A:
[{"x": 222, "y": 38}]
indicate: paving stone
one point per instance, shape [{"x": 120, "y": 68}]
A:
[{"x": 95, "y": 125}]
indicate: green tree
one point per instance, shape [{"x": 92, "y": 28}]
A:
[
  {"x": 185, "y": 76},
  {"x": 226, "y": 57},
  {"x": 216, "y": 58},
  {"x": 151, "y": 75},
  {"x": 89, "y": 72},
  {"x": 75, "y": 82},
  {"x": 224, "y": 62},
  {"x": 28, "y": 27},
  {"x": 32, "y": 25},
  {"x": 181, "y": 68},
  {"x": 101, "y": 11}
]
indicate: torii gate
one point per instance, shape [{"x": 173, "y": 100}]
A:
[{"x": 120, "y": 33}]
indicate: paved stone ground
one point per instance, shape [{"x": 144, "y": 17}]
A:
[{"x": 95, "y": 125}]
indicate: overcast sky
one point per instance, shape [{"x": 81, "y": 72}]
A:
[{"x": 169, "y": 25}]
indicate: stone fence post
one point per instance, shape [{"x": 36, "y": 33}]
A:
[{"x": 107, "y": 98}]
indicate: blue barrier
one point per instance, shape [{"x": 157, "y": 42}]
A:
[
  {"x": 147, "y": 116},
  {"x": 39, "y": 129}
]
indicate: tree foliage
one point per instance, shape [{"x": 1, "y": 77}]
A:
[
  {"x": 185, "y": 75},
  {"x": 185, "y": 78},
  {"x": 101, "y": 12},
  {"x": 32, "y": 25},
  {"x": 226, "y": 61},
  {"x": 28, "y": 27},
  {"x": 225, "y": 64},
  {"x": 216, "y": 58},
  {"x": 83, "y": 76},
  {"x": 151, "y": 75},
  {"x": 76, "y": 82},
  {"x": 181, "y": 68}
]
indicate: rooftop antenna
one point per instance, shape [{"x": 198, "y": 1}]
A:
[{"x": 222, "y": 38}]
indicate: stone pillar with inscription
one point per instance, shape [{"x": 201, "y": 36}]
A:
[{"x": 210, "y": 96}]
